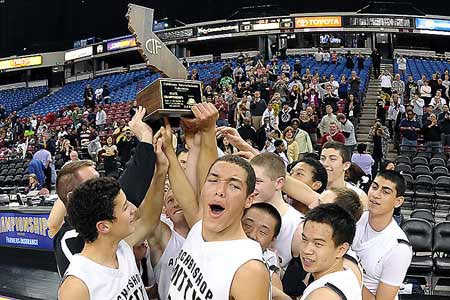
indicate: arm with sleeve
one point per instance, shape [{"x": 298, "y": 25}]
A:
[{"x": 395, "y": 265}]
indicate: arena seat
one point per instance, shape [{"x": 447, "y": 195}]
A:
[
  {"x": 423, "y": 214},
  {"x": 16, "y": 99},
  {"x": 420, "y": 236},
  {"x": 441, "y": 249}
]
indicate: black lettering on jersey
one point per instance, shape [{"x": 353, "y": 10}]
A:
[
  {"x": 182, "y": 281},
  {"x": 134, "y": 290},
  {"x": 170, "y": 262}
]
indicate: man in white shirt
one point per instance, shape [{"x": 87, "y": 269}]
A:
[
  {"x": 100, "y": 118},
  {"x": 334, "y": 85},
  {"x": 381, "y": 245},
  {"x": 348, "y": 130},
  {"x": 101, "y": 214},
  {"x": 401, "y": 61},
  {"x": 328, "y": 231},
  {"x": 438, "y": 102},
  {"x": 386, "y": 82}
]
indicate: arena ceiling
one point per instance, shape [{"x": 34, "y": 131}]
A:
[{"x": 50, "y": 25}]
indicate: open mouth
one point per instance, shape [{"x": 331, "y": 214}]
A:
[
  {"x": 216, "y": 209},
  {"x": 178, "y": 211},
  {"x": 307, "y": 262}
]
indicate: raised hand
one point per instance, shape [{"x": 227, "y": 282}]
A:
[
  {"x": 141, "y": 130},
  {"x": 162, "y": 163},
  {"x": 206, "y": 115},
  {"x": 165, "y": 134}
]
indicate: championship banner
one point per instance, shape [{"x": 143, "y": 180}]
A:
[
  {"x": 25, "y": 231},
  {"x": 318, "y": 22}
]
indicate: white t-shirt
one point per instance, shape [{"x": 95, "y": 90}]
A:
[
  {"x": 386, "y": 81},
  {"x": 107, "y": 283},
  {"x": 401, "y": 63},
  {"x": 383, "y": 255},
  {"x": 344, "y": 282},
  {"x": 283, "y": 242},
  {"x": 205, "y": 270}
]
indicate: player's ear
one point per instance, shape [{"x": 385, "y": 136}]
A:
[{"x": 249, "y": 201}]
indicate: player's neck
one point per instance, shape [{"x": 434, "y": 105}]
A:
[
  {"x": 336, "y": 267},
  {"x": 232, "y": 232},
  {"x": 379, "y": 222},
  {"x": 103, "y": 252},
  {"x": 279, "y": 203},
  {"x": 338, "y": 183}
]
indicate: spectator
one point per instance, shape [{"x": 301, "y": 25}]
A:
[
  {"x": 395, "y": 115},
  {"x": 386, "y": 82},
  {"x": 334, "y": 57},
  {"x": 363, "y": 159},
  {"x": 376, "y": 62},
  {"x": 238, "y": 74},
  {"x": 194, "y": 75},
  {"x": 333, "y": 134},
  {"x": 438, "y": 102},
  {"x": 35, "y": 166},
  {"x": 329, "y": 98},
  {"x": 84, "y": 136},
  {"x": 348, "y": 130},
  {"x": 98, "y": 94},
  {"x": 360, "y": 62},
  {"x": 133, "y": 108},
  {"x": 293, "y": 150},
  {"x": 421, "y": 81},
  {"x": 33, "y": 184},
  {"x": 444, "y": 124},
  {"x": 257, "y": 108},
  {"x": 226, "y": 147},
  {"x": 352, "y": 109},
  {"x": 88, "y": 96},
  {"x": 125, "y": 146},
  {"x": 222, "y": 107},
  {"x": 324, "y": 125},
  {"x": 46, "y": 158},
  {"x": 411, "y": 88},
  {"x": 441, "y": 87},
  {"x": 379, "y": 146},
  {"x": 120, "y": 132},
  {"x": 401, "y": 62},
  {"x": 354, "y": 82},
  {"x": 270, "y": 113},
  {"x": 100, "y": 118},
  {"x": 302, "y": 137},
  {"x": 247, "y": 132},
  {"x": 343, "y": 88},
  {"x": 280, "y": 150},
  {"x": 409, "y": 128},
  {"x": 298, "y": 66},
  {"x": 349, "y": 64},
  {"x": 398, "y": 87},
  {"x": 432, "y": 135},
  {"x": 318, "y": 56},
  {"x": 286, "y": 69},
  {"x": 418, "y": 104},
  {"x": 227, "y": 71},
  {"x": 285, "y": 116},
  {"x": 263, "y": 133},
  {"x": 326, "y": 57},
  {"x": 109, "y": 154},
  {"x": 425, "y": 92}
]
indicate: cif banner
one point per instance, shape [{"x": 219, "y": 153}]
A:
[
  {"x": 25, "y": 231},
  {"x": 21, "y": 62},
  {"x": 318, "y": 22},
  {"x": 433, "y": 24},
  {"x": 121, "y": 44}
]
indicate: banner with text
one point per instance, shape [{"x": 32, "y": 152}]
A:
[{"x": 25, "y": 231}]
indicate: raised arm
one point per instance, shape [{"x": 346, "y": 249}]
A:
[
  {"x": 299, "y": 191},
  {"x": 182, "y": 189},
  {"x": 56, "y": 217},
  {"x": 235, "y": 139},
  {"x": 149, "y": 211}
]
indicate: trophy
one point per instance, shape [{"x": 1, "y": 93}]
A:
[{"x": 172, "y": 96}]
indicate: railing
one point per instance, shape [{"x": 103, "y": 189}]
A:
[
  {"x": 200, "y": 58},
  {"x": 231, "y": 55}
]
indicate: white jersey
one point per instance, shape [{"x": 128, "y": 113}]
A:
[
  {"x": 388, "y": 248},
  {"x": 344, "y": 283},
  {"x": 205, "y": 270},
  {"x": 164, "y": 268},
  {"x": 105, "y": 283},
  {"x": 283, "y": 243}
]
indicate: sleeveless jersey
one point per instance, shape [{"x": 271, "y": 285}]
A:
[
  {"x": 372, "y": 252},
  {"x": 344, "y": 283},
  {"x": 164, "y": 268},
  {"x": 205, "y": 270},
  {"x": 105, "y": 283},
  {"x": 283, "y": 242}
]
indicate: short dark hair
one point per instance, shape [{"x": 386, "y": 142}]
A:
[
  {"x": 339, "y": 147},
  {"x": 342, "y": 223},
  {"x": 271, "y": 210},
  {"x": 319, "y": 171},
  {"x": 91, "y": 202},
  {"x": 396, "y": 178},
  {"x": 349, "y": 200},
  {"x": 361, "y": 148},
  {"x": 245, "y": 165}
]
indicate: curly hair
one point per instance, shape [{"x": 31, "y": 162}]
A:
[{"x": 91, "y": 202}]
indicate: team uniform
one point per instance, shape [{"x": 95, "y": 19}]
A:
[
  {"x": 205, "y": 270},
  {"x": 344, "y": 283},
  {"x": 124, "y": 283},
  {"x": 134, "y": 182},
  {"x": 166, "y": 263},
  {"x": 384, "y": 256},
  {"x": 283, "y": 243}
]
